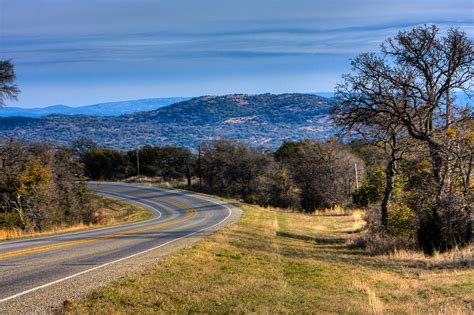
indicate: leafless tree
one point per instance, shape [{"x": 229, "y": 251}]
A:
[
  {"x": 379, "y": 130},
  {"x": 411, "y": 83},
  {"x": 323, "y": 171},
  {"x": 409, "y": 87},
  {"x": 233, "y": 167}
]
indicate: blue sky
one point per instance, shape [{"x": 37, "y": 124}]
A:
[{"x": 78, "y": 52}]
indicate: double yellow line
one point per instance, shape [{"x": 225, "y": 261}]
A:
[{"x": 191, "y": 213}]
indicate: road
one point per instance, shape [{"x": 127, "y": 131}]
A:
[{"x": 30, "y": 266}]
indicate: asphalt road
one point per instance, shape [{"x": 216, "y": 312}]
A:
[{"x": 35, "y": 264}]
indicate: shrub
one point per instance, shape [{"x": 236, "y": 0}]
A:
[
  {"x": 429, "y": 233},
  {"x": 400, "y": 235},
  {"x": 447, "y": 225},
  {"x": 10, "y": 221},
  {"x": 402, "y": 221},
  {"x": 371, "y": 192},
  {"x": 365, "y": 195},
  {"x": 380, "y": 244}
]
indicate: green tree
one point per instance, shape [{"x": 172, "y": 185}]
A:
[
  {"x": 101, "y": 163},
  {"x": 8, "y": 90}
]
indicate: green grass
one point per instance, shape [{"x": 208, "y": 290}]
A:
[{"x": 274, "y": 261}]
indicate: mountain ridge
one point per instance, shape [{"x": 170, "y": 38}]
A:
[{"x": 260, "y": 120}]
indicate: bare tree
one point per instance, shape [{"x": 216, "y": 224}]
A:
[
  {"x": 323, "y": 171},
  {"x": 233, "y": 167},
  {"x": 81, "y": 146},
  {"x": 408, "y": 86},
  {"x": 411, "y": 84},
  {"x": 378, "y": 129}
]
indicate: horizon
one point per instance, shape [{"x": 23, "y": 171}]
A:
[
  {"x": 324, "y": 94},
  {"x": 92, "y": 52}
]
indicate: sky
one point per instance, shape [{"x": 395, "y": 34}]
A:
[{"x": 78, "y": 52}]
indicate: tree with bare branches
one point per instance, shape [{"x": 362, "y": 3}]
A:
[{"x": 409, "y": 87}]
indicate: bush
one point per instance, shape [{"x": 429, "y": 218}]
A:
[
  {"x": 402, "y": 221},
  {"x": 400, "y": 234},
  {"x": 10, "y": 221},
  {"x": 381, "y": 244},
  {"x": 372, "y": 191},
  {"x": 429, "y": 233},
  {"x": 365, "y": 195},
  {"x": 252, "y": 199},
  {"x": 446, "y": 226}
]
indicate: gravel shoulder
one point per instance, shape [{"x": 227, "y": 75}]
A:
[{"x": 47, "y": 299}]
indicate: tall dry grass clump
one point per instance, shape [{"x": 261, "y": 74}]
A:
[
  {"x": 456, "y": 258},
  {"x": 17, "y": 233}
]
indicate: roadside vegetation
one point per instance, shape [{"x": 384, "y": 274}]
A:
[
  {"x": 106, "y": 211},
  {"x": 42, "y": 192},
  {"x": 277, "y": 261}
]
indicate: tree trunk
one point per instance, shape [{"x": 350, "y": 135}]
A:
[
  {"x": 437, "y": 161},
  {"x": 448, "y": 123},
  {"x": 390, "y": 174},
  {"x": 188, "y": 175}
]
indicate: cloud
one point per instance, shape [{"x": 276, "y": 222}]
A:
[
  {"x": 71, "y": 43},
  {"x": 247, "y": 43}
]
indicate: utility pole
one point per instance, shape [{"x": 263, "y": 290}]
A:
[
  {"x": 357, "y": 176},
  {"x": 199, "y": 167},
  {"x": 138, "y": 162}
]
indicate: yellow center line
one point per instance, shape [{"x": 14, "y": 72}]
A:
[{"x": 191, "y": 213}]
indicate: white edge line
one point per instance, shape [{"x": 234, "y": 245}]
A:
[{"x": 121, "y": 259}]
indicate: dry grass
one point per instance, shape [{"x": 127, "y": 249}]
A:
[
  {"x": 17, "y": 233},
  {"x": 156, "y": 182},
  {"x": 457, "y": 258},
  {"x": 110, "y": 212},
  {"x": 274, "y": 261}
]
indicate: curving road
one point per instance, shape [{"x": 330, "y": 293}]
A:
[{"x": 30, "y": 266}]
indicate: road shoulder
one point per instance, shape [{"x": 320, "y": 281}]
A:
[{"x": 46, "y": 299}]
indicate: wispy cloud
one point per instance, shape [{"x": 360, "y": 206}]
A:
[{"x": 176, "y": 44}]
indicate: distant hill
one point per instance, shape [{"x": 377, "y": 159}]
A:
[
  {"x": 264, "y": 119},
  {"x": 102, "y": 109}
]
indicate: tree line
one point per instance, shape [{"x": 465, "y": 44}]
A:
[
  {"x": 305, "y": 175},
  {"x": 44, "y": 185}
]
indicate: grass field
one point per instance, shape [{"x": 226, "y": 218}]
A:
[
  {"x": 109, "y": 211},
  {"x": 274, "y": 261}
]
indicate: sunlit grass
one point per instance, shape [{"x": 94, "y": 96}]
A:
[{"x": 275, "y": 261}]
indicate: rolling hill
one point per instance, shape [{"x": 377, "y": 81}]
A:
[{"x": 261, "y": 120}]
